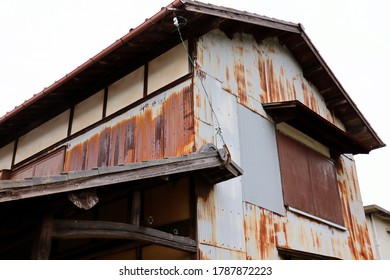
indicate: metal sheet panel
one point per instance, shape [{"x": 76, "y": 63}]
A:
[
  {"x": 219, "y": 208},
  {"x": 258, "y": 72},
  {"x": 309, "y": 180},
  {"x": 259, "y": 233},
  {"x": 207, "y": 252},
  {"x": 297, "y": 232},
  {"x": 51, "y": 164},
  {"x": 261, "y": 181},
  {"x": 161, "y": 127},
  {"x": 352, "y": 206}
]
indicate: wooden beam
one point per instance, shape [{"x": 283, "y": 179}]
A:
[
  {"x": 75, "y": 229},
  {"x": 42, "y": 243},
  {"x": 209, "y": 161}
]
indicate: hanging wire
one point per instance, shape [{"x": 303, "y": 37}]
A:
[{"x": 177, "y": 23}]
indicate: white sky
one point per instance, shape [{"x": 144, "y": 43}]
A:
[{"x": 43, "y": 40}]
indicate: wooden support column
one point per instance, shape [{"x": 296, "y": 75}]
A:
[
  {"x": 135, "y": 211},
  {"x": 135, "y": 216},
  {"x": 42, "y": 242}
]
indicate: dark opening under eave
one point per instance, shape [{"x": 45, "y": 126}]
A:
[{"x": 312, "y": 124}]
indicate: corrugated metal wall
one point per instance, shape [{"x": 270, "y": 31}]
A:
[
  {"x": 242, "y": 71},
  {"x": 157, "y": 128},
  {"x": 258, "y": 73}
]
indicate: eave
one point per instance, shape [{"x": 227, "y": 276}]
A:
[{"x": 302, "y": 118}]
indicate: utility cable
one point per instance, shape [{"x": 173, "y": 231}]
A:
[{"x": 218, "y": 128}]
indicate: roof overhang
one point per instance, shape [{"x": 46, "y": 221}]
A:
[
  {"x": 377, "y": 210},
  {"x": 309, "y": 122},
  {"x": 212, "y": 164},
  {"x": 156, "y": 35}
]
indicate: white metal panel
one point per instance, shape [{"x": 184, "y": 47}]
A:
[
  {"x": 207, "y": 252},
  {"x": 88, "y": 112},
  {"x": 43, "y": 136},
  {"x": 220, "y": 214},
  {"x": 6, "y": 154},
  {"x": 167, "y": 67},
  {"x": 125, "y": 91},
  {"x": 261, "y": 181}
]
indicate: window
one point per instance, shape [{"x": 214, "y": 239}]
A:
[{"x": 309, "y": 181}]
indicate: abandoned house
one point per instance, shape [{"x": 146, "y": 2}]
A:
[{"x": 204, "y": 133}]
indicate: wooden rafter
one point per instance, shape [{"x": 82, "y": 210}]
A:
[{"x": 75, "y": 229}]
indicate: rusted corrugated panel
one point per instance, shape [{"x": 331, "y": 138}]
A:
[
  {"x": 51, "y": 164},
  {"x": 220, "y": 217},
  {"x": 309, "y": 180},
  {"x": 300, "y": 233},
  {"x": 297, "y": 232},
  {"x": 358, "y": 239},
  {"x": 258, "y": 72},
  {"x": 259, "y": 233},
  {"x": 160, "y": 127}
]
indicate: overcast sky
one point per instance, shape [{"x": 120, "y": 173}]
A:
[{"x": 43, "y": 40}]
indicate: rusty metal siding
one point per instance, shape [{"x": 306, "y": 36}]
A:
[
  {"x": 297, "y": 232},
  {"x": 261, "y": 181},
  {"x": 244, "y": 71},
  {"x": 162, "y": 126},
  {"x": 352, "y": 205},
  {"x": 259, "y": 233},
  {"x": 258, "y": 72},
  {"x": 52, "y": 164}
]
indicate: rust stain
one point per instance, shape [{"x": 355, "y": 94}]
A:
[
  {"x": 262, "y": 73},
  {"x": 157, "y": 131},
  {"x": 198, "y": 101},
  {"x": 267, "y": 235},
  {"x": 202, "y": 256},
  {"x": 239, "y": 74},
  {"x": 358, "y": 239}
]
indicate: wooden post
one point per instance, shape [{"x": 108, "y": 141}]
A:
[
  {"x": 135, "y": 212},
  {"x": 42, "y": 242},
  {"x": 135, "y": 216}
]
